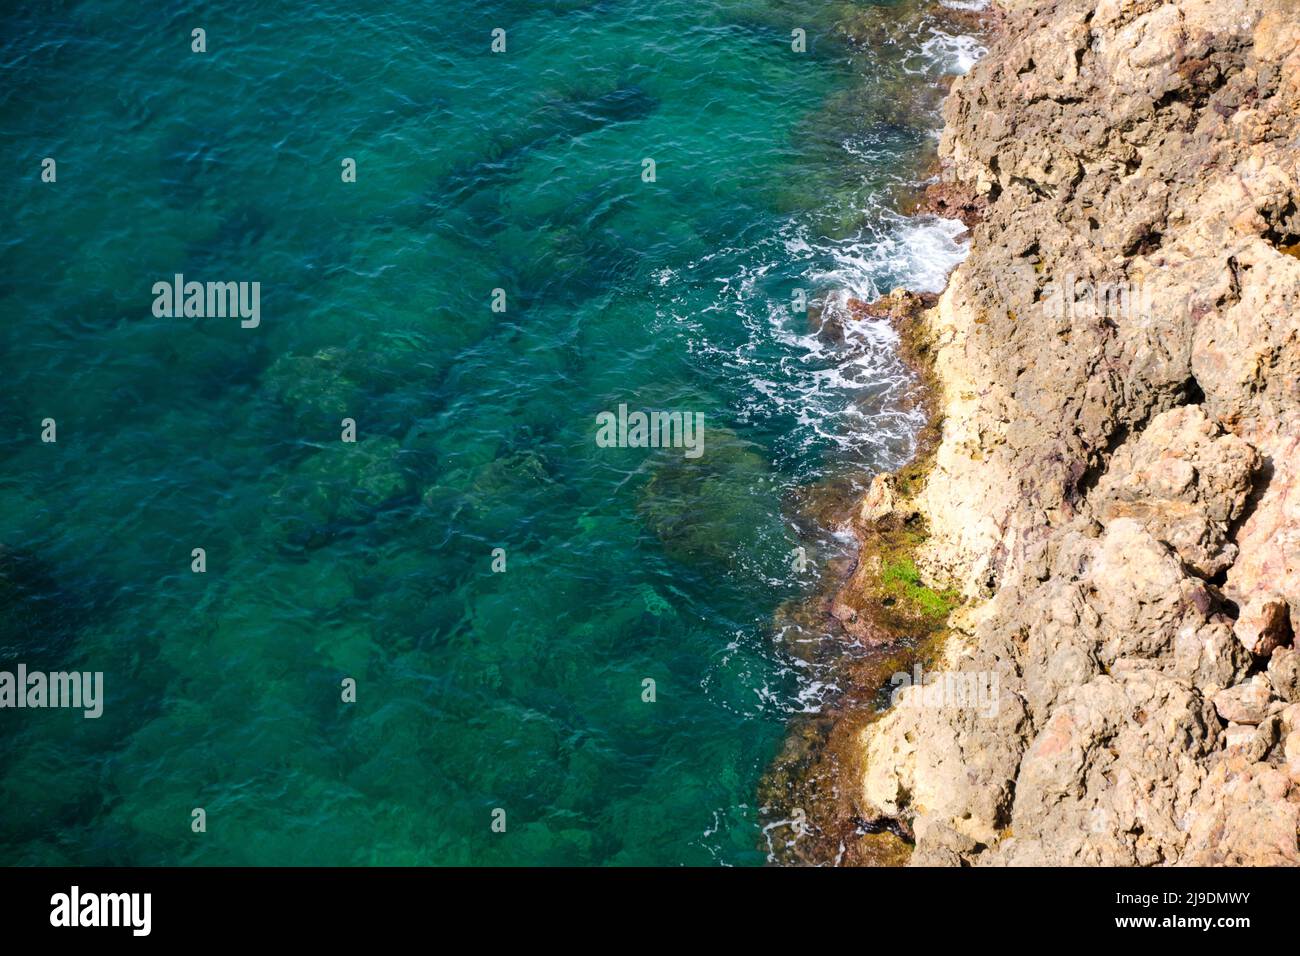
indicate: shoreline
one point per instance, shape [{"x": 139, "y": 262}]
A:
[{"x": 875, "y": 600}]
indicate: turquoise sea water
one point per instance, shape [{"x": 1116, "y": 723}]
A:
[{"x": 326, "y": 560}]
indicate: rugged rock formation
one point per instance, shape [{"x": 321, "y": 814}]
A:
[{"x": 1116, "y": 491}]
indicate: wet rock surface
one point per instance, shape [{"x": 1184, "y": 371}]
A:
[{"x": 1113, "y": 492}]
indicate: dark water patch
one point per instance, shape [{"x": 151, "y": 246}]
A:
[
  {"x": 39, "y": 614},
  {"x": 553, "y": 119}
]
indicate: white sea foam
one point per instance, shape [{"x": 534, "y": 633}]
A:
[
  {"x": 914, "y": 252},
  {"x": 952, "y": 54},
  {"x": 846, "y": 394}
]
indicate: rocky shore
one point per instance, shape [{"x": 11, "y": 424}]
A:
[{"x": 1108, "y": 512}]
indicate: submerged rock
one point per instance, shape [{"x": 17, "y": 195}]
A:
[
  {"x": 317, "y": 390},
  {"x": 703, "y": 509},
  {"x": 340, "y": 486}
]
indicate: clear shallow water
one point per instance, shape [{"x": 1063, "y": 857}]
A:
[{"x": 520, "y": 690}]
